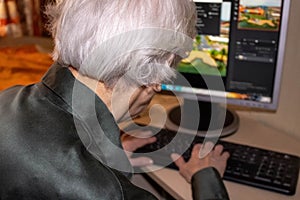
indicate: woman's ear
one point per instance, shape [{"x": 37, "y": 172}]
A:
[{"x": 157, "y": 87}]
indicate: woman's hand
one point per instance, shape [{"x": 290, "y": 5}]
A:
[
  {"x": 203, "y": 156},
  {"x": 133, "y": 140}
]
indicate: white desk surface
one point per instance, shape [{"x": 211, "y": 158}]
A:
[{"x": 251, "y": 132}]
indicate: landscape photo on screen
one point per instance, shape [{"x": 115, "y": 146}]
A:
[
  {"x": 210, "y": 52},
  {"x": 261, "y": 15}
]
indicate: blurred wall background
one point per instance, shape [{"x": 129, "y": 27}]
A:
[{"x": 22, "y": 18}]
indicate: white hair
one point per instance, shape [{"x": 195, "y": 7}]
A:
[{"x": 109, "y": 39}]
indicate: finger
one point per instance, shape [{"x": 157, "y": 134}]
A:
[
  {"x": 178, "y": 160},
  {"x": 209, "y": 146},
  {"x": 196, "y": 150},
  {"x": 225, "y": 155},
  {"x": 139, "y": 134},
  {"x": 206, "y": 149},
  {"x": 141, "y": 161},
  {"x": 218, "y": 150},
  {"x": 131, "y": 143},
  {"x": 140, "y": 142}
]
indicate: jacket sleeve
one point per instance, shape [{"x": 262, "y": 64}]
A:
[{"x": 208, "y": 185}]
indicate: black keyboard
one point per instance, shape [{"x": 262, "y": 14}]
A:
[{"x": 247, "y": 165}]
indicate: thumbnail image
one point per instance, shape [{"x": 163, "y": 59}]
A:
[
  {"x": 210, "y": 53},
  {"x": 260, "y": 15}
]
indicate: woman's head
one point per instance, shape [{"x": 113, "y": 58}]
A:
[{"x": 109, "y": 39}]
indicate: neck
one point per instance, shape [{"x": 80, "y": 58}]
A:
[{"x": 98, "y": 87}]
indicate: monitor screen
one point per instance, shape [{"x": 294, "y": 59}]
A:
[{"x": 242, "y": 43}]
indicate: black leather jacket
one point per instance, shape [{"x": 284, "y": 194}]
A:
[{"x": 57, "y": 143}]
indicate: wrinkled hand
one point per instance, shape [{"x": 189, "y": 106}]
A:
[
  {"x": 133, "y": 140},
  {"x": 202, "y": 157}
]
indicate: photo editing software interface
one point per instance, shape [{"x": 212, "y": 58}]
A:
[{"x": 238, "y": 40}]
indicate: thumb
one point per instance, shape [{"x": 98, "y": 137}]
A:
[
  {"x": 177, "y": 159},
  {"x": 141, "y": 161}
]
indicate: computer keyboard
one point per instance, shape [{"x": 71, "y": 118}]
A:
[{"x": 248, "y": 165}]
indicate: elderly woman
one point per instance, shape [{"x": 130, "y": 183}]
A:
[{"x": 59, "y": 138}]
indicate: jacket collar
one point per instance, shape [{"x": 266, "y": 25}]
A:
[{"x": 94, "y": 123}]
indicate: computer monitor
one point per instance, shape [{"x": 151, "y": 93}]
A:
[{"x": 237, "y": 59}]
